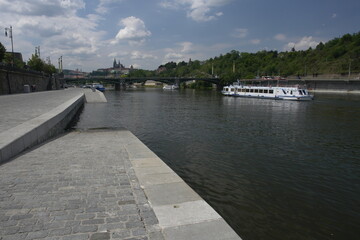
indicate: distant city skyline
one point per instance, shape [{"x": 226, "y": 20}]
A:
[{"x": 89, "y": 34}]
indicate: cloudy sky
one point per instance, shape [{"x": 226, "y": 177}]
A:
[{"x": 89, "y": 34}]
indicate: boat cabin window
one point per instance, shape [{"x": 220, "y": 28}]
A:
[
  {"x": 261, "y": 90},
  {"x": 283, "y": 91},
  {"x": 266, "y": 91},
  {"x": 300, "y": 92},
  {"x": 232, "y": 90},
  {"x": 226, "y": 89},
  {"x": 247, "y": 90},
  {"x": 256, "y": 90},
  {"x": 251, "y": 90},
  {"x": 271, "y": 91}
]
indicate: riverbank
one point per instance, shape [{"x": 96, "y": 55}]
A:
[{"x": 101, "y": 183}]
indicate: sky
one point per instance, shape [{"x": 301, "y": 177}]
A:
[{"x": 89, "y": 34}]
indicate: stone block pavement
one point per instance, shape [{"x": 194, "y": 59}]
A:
[{"x": 78, "y": 186}]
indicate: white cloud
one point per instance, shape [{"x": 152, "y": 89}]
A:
[
  {"x": 134, "y": 30},
  {"x": 303, "y": 44},
  {"x": 118, "y": 54},
  {"x": 137, "y": 42},
  {"x": 172, "y": 56},
  {"x": 255, "y": 41},
  {"x": 334, "y": 15},
  {"x": 55, "y": 26},
  {"x": 199, "y": 14},
  {"x": 186, "y": 47},
  {"x": 169, "y": 5},
  {"x": 198, "y": 10},
  {"x": 181, "y": 52},
  {"x": 280, "y": 37},
  {"x": 240, "y": 33},
  {"x": 94, "y": 17},
  {"x": 104, "y": 5},
  {"x": 41, "y": 7},
  {"x": 136, "y": 55},
  {"x": 136, "y": 66}
]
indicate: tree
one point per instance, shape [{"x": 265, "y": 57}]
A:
[
  {"x": 37, "y": 64},
  {"x": 2, "y": 52},
  {"x": 330, "y": 57},
  {"x": 320, "y": 46},
  {"x": 170, "y": 65},
  {"x": 49, "y": 68}
]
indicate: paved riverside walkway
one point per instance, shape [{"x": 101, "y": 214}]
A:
[
  {"x": 99, "y": 184},
  {"x": 19, "y": 108}
]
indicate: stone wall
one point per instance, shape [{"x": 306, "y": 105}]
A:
[
  {"x": 329, "y": 85},
  {"x": 352, "y": 76},
  {"x": 13, "y": 81}
]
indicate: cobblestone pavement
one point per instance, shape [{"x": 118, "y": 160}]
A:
[{"x": 78, "y": 186}]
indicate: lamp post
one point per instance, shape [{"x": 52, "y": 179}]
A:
[
  {"x": 60, "y": 64},
  {"x": 8, "y": 33},
  {"x": 37, "y": 51}
]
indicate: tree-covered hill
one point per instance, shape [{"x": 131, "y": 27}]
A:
[{"x": 333, "y": 57}]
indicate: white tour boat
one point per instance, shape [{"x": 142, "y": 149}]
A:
[
  {"x": 170, "y": 87},
  {"x": 296, "y": 92}
]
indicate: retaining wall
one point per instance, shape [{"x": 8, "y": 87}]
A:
[
  {"x": 329, "y": 85},
  {"x": 13, "y": 80}
]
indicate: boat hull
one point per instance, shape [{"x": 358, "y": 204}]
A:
[{"x": 299, "y": 98}]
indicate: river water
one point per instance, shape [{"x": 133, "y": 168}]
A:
[{"x": 273, "y": 169}]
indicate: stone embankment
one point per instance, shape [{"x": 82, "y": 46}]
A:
[
  {"x": 14, "y": 80},
  {"x": 91, "y": 184}
]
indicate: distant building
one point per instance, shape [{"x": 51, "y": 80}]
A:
[
  {"x": 117, "y": 65},
  {"x": 116, "y": 70},
  {"x": 152, "y": 83},
  {"x": 17, "y": 56},
  {"x": 161, "y": 69},
  {"x": 74, "y": 74}
]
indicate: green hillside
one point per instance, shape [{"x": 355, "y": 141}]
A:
[{"x": 332, "y": 57}]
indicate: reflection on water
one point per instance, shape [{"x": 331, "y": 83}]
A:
[{"x": 273, "y": 169}]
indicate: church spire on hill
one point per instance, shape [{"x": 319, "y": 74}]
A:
[{"x": 117, "y": 65}]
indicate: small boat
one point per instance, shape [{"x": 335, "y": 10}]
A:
[
  {"x": 296, "y": 92},
  {"x": 98, "y": 86},
  {"x": 170, "y": 87}
]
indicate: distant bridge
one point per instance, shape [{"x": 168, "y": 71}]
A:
[{"x": 131, "y": 80}]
